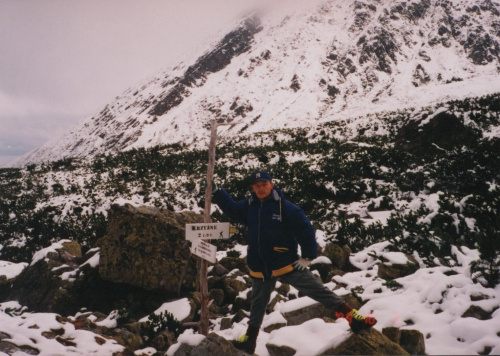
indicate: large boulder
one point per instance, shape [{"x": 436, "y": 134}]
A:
[
  {"x": 48, "y": 283},
  {"x": 367, "y": 342},
  {"x": 146, "y": 247},
  {"x": 61, "y": 280}
]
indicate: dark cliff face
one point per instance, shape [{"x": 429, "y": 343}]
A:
[
  {"x": 444, "y": 131},
  {"x": 379, "y": 45},
  {"x": 232, "y": 45}
]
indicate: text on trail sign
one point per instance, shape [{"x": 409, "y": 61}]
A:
[
  {"x": 207, "y": 231},
  {"x": 204, "y": 250}
]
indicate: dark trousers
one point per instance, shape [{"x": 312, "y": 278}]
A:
[{"x": 303, "y": 280}]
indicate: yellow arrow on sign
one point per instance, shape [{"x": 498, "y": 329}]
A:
[{"x": 232, "y": 230}]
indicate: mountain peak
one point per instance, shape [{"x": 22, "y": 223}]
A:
[{"x": 295, "y": 68}]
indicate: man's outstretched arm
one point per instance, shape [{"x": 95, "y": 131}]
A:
[{"x": 235, "y": 210}]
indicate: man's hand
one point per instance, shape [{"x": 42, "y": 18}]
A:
[
  {"x": 301, "y": 263},
  {"x": 214, "y": 186}
]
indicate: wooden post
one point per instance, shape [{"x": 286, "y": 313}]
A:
[{"x": 204, "y": 324}]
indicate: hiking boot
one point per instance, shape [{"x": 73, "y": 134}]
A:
[
  {"x": 358, "y": 322},
  {"x": 248, "y": 341}
]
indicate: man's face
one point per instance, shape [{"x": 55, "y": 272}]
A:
[{"x": 262, "y": 189}]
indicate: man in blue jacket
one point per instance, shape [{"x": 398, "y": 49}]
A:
[{"x": 275, "y": 229}]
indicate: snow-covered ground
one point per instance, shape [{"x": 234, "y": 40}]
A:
[
  {"x": 431, "y": 300},
  {"x": 31, "y": 331}
]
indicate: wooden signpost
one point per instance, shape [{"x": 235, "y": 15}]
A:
[{"x": 204, "y": 231}]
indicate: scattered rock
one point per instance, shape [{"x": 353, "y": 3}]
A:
[
  {"x": 65, "y": 289},
  {"x": 335, "y": 254},
  {"x": 275, "y": 350},
  {"x": 11, "y": 349},
  {"x": 226, "y": 323},
  {"x": 300, "y": 316},
  {"x": 218, "y": 270},
  {"x": 242, "y": 303},
  {"x": 233, "y": 287},
  {"x": 367, "y": 342},
  {"x": 324, "y": 268},
  {"x": 232, "y": 263},
  {"x": 217, "y": 295},
  {"x": 49, "y": 284},
  {"x": 272, "y": 327},
  {"x": 317, "y": 310},
  {"x": 163, "y": 340},
  {"x": 295, "y": 85},
  {"x": 477, "y": 312},
  {"x": 392, "y": 333},
  {"x": 240, "y": 315},
  {"x": 213, "y": 344},
  {"x": 394, "y": 271},
  {"x": 277, "y": 298},
  {"x": 412, "y": 341}
]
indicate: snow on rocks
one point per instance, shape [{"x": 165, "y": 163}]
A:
[
  {"x": 180, "y": 309},
  {"x": 10, "y": 269},
  {"x": 455, "y": 315},
  {"x": 46, "y": 334}
]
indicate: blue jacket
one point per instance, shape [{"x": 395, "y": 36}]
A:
[{"x": 275, "y": 228}]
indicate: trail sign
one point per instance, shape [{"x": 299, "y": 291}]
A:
[
  {"x": 207, "y": 231},
  {"x": 204, "y": 250},
  {"x": 203, "y": 266}
]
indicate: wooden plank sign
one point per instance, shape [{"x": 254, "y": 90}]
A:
[
  {"x": 204, "y": 250},
  {"x": 207, "y": 231}
]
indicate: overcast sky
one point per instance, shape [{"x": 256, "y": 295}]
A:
[{"x": 63, "y": 60}]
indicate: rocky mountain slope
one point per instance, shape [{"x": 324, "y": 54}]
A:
[
  {"x": 323, "y": 61},
  {"x": 399, "y": 189}
]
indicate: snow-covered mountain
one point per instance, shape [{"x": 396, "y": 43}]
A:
[{"x": 301, "y": 66}]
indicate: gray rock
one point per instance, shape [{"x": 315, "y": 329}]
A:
[
  {"x": 477, "y": 312},
  {"x": 212, "y": 345},
  {"x": 317, "y": 310},
  {"x": 412, "y": 341},
  {"x": 336, "y": 254},
  {"x": 146, "y": 247},
  {"x": 395, "y": 271},
  {"x": 392, "y": 333},
  {"x": 283, "y": 350},
  {"x": 367, "y": 342},
  {"x": 300, "y": 316}
]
